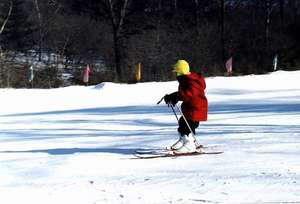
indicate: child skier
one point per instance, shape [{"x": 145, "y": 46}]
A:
[{"x": 194, "y": 105}]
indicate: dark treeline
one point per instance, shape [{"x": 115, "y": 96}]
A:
[{"x": 114, "y": 35}]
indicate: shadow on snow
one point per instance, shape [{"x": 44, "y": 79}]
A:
[
  {"x": 123, "y": 110},
  {"x": 66, "y": 151},
  {"x": 159, "y": 128},
  {"x": 214, "y": 108}
]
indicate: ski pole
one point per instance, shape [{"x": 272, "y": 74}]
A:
[
  {"x": 171, "y": 107},
  {"x": 185, "y": 120},
  {"x": 174, "y": 113},
  {"x": 193, "y": 135},
  {"x": 187, "y": 124}
]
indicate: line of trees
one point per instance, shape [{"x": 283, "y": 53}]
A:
[{"x": 118, "y": 34}]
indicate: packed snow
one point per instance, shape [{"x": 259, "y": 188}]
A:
[{"x": 76, "y": 144}]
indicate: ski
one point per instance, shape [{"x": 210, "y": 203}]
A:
[
  {"x": 198, "y": 147},
  {"x": 168, "y": 150},
  {"x": 154, "y": 154}
]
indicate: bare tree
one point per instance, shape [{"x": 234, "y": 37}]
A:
[
  {"x": 1, "y": 51},
  {"x": 117, "y": 10},
  {"x": 45, "y": 18},
  {"x": 5, "y": 22},
  {"x": 267, "y": 23},
  {"x": 222, "y": 22},
  {"x": 40, "y": 22},
  {"x": 197, "y": 16}
]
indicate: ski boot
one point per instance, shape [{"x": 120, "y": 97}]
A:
[
  {"x": 188, "y": 146},
  {"x": 178, "y": 143}
]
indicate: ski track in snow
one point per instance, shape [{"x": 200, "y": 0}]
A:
[{"x": 75, "y": 144}]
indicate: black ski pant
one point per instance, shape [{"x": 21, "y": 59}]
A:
[{"x": 183, "y": 129}]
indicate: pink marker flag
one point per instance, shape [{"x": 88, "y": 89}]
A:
[
  {"x": 229, "y": 65},
  {"x": 86, "y": 74}
]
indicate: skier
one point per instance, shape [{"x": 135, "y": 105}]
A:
[{"x": 194, "y": 106}]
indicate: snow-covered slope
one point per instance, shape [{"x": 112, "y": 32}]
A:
[{"x": 75, "y": 144}]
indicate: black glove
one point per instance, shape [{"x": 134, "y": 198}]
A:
[{"x": 171, "y": 99}]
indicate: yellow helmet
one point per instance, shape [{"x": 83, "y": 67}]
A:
[{"x": 181, "y": 68}]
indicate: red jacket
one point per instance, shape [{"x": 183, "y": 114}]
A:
[{"x": 191, "y": 92}]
